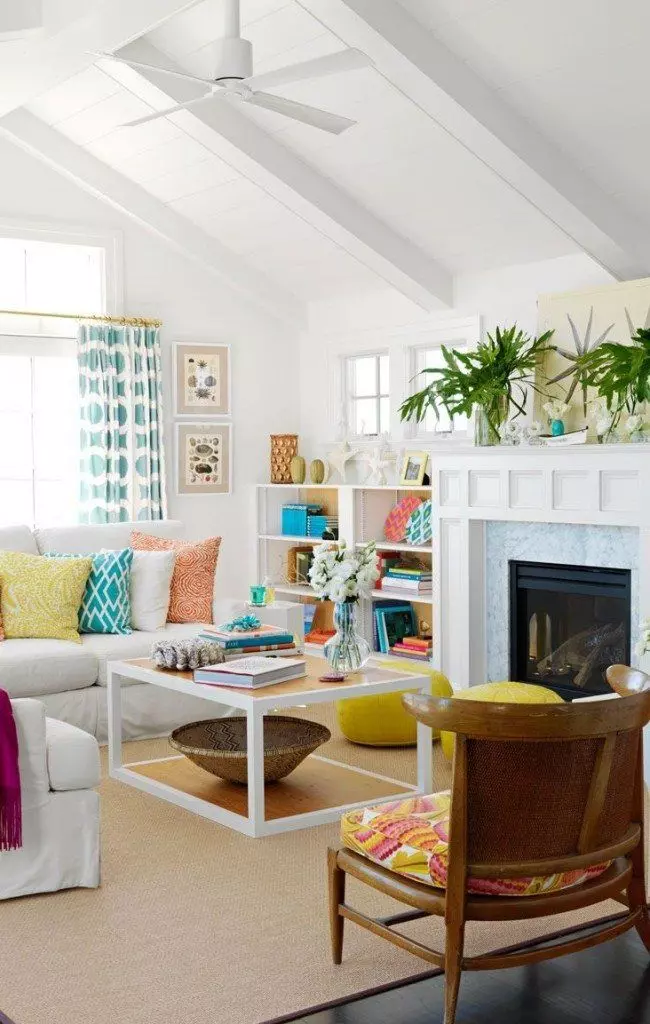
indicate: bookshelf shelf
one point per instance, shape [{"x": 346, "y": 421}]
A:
[{"x": 362, "y": 512}]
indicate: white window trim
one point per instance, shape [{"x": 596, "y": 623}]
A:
[
  {"x": 464, "y": 331},
  {"x": 346, "y": 396},
  {"x": 111, "y": 242}
]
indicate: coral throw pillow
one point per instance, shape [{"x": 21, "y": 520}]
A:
[
  {"x": 193, "y": 577},
  {"x": 41, "y": 597}
]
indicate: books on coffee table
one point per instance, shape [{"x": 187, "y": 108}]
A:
[{"x": 250, "y": 673}]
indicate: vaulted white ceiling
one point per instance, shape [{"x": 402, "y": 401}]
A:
[{"x": 405, "y": 179}]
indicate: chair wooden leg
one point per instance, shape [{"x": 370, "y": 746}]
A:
[
  {"x": 637, "y": 895},
  {"x": 336, "y": 877},
  {"x": 454, "y": 941}
]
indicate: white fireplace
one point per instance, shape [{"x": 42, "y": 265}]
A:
[{"x": 579, "y": 506}]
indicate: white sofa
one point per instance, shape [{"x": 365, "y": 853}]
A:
[
  {"x": 70, "y": 678},
  {"x": 59, "y": 768}
]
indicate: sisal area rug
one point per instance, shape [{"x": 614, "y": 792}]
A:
[{"x": 197, "y": 924}]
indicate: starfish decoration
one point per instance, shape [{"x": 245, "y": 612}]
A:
[
  {"x": 583, "y": 345},
  {"x": 630, "y": 323},
  {"x": 378, "y": 462},
  {"x": 339, "y": 458}
]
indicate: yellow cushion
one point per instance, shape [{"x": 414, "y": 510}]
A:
[
  {"x": 411, "y": 837},
  {"x": 41, "y": 597},
  {"x": 501, "y": 693},
  {"x": 381, "y": 720}
]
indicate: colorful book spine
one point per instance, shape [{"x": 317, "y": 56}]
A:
[{"x": 278, "y": 638}]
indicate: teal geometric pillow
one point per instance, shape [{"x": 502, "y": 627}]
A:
[{"x": 106, "y": 606}]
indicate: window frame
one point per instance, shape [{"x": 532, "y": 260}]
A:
[
  {"x": 464, "y": 332},
  {"x": 347, "y": 360},
  {"x": 38, "y": 341}
]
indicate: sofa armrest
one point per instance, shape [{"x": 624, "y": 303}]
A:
[
  {"x": 72, "y": 756},
  {"x": 29, "y": 716}
]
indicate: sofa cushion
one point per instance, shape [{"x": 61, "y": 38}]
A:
[
  {"x": 106, "y": 604},
  {"x": 411, "y": 838},
  {"x": 41, "y": 597},
  {"x": 29, "y": 668},
  {"x": 194, "y": 575},
  {"x": 86, "y": 539},
  {"x": 18, "y": 538},
  {"x": 109, "y": 647}
]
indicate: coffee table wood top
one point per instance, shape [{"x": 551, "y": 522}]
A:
[{"x": 308, "y": 688}]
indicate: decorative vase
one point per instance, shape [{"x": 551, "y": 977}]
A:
[
  {"x": 557, "y": 428},
  {"x": 346, "y": 651},
  {"x": 297, "y": 469},
  {"x": 317, "y": 471},
  {"x": 484, "y": 432},
  {"x": 283, "y": 449}
]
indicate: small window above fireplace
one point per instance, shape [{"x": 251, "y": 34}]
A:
[{"x": 567, "y": 624}]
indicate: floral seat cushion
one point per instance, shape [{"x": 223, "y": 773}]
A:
[{"x": 411, "y": 838}]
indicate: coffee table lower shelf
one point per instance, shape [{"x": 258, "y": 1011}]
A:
[{"x": 318, "y": 791}]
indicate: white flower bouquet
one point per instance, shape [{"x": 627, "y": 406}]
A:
[{"x": 340, "y": 574}]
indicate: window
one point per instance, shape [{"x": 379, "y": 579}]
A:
[
  {"x": 429, "y": 359},
  {"x": 39, "y": 404},
  {"x": 367, "y": 389}
]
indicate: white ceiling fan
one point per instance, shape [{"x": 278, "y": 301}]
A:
[{"x": 234, "y": 79}]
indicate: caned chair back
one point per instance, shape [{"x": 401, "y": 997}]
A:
[{"x": 541, "y": 783}]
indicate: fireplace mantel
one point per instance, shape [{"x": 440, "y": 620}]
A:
[{"x": 589, "y": 485}]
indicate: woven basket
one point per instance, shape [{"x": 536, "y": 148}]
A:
[{"x": 219, "y": 745}]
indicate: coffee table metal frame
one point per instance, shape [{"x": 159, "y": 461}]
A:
[{"x": 255, "y": 704}]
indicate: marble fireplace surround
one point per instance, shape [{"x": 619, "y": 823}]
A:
[{"x": 582, "y": 505}]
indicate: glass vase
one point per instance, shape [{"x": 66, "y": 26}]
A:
[
  {"x": 484, "y": 432},
  {"x": 346, "y": 651}
]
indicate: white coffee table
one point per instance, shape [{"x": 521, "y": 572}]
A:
[{"x": 318, "y": 791}]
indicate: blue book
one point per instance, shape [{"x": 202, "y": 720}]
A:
[{"x": 267, "y": 640}]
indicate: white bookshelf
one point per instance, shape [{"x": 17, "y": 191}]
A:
[{"x": 362, "y": 512}]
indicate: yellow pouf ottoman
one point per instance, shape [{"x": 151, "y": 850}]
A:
[
  {"x": 501, "y": 693},
  {"x": 382, "y": 721}
]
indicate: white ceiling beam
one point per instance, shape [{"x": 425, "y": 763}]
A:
[
  {"x": 446, "y": 88},
  {"x": 108, "y": 25},
  {"x": 107, "y": 184},
  {"x": 267, "y": 162}
]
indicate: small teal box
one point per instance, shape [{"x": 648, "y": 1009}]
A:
[{"x": 294, "y": 519}]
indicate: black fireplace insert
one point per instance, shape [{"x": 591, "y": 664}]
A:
[{"x": 567, "y": 624}]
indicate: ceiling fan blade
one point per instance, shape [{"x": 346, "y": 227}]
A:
[
  {"x": 300, "y": 112},
  {"x": 168, "y": 110},
  {"x": 152, "y": 67},
  {"x": 319, "y": 67}
]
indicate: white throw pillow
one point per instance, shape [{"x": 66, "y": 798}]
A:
[{"x": 151, "y": 580}]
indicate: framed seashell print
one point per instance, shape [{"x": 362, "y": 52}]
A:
[
  {"x": 201, "y": 379},
  {"x": 203, "y": 458}
]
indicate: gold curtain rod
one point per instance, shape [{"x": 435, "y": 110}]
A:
[{"x": 130, "y": 321}]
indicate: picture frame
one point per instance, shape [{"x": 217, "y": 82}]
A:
[
  {"x": 203, "y": 459},
  {"x": 393, "y": 624},
  {"x": 414, "y": 467},
  {"x": 202, "y": 380}
]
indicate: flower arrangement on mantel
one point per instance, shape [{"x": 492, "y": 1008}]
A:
[
  {"x": 341, "y": 574},
  {"x": 492, "y": 381}
]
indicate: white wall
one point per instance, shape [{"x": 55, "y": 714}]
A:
[
  {"x": 386, "y": 320},
  {"x": 194, "y": 306}
]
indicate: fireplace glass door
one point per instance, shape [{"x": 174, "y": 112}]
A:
[{"x": 567, "y": 625}]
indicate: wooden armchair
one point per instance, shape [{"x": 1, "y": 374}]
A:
[{"x": 536, "y": 790}]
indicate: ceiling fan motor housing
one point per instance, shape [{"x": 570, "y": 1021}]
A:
[{"x": 233, "y": 58}]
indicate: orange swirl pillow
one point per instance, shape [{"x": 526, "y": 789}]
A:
[{"x": 193, "y": 577}]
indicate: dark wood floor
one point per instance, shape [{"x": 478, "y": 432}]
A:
[{"x": 609, "y": 984}]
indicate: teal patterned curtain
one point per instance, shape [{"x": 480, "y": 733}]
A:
[{"x": 122, "y": 455}]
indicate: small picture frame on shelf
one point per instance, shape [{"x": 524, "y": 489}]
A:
[
  {"x": 203, "y": 458},
  {"x": 201, "y": 379},
  {"x": 414, "y": 468}
]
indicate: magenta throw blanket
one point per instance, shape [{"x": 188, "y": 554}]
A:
[{"x": 11, "y": 821}]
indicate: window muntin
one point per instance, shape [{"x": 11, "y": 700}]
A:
[{"x": 367, "y": 394}]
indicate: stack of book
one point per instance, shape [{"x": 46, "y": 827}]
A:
[
  {"x": 319, "y": 636},
  {"x": 251, "y": 672},
  {"x": 417, "y": 647},
  {"x": 265, "y": 640},
  {"x": 408, "y": 580}
]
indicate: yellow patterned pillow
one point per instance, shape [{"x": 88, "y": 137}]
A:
[{"x": 41, "y": 597}]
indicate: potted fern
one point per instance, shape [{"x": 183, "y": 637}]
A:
[
  {"x": 621, "y": 376},
  {"x": 491, "y": 382}
]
